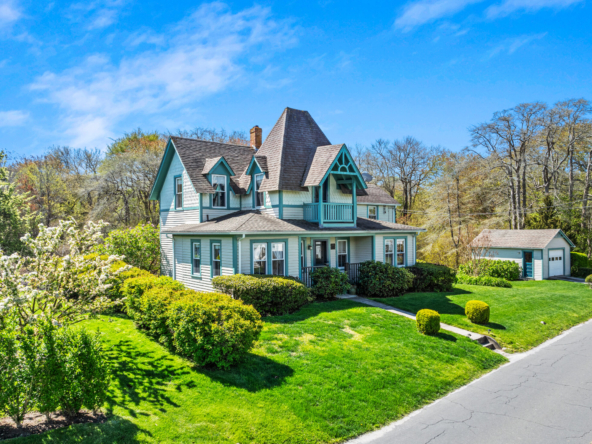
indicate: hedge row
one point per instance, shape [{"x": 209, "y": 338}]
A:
[
  {"x": 270, "y": 295},
  {"x": 508, "y": 270},
  {"x": 208, "y": 328},
  {"x": 432, "y": 277},
  {"x": 485, "y": 281}
]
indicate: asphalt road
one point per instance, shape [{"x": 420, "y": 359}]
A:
[{"x": 541, "y": 397}]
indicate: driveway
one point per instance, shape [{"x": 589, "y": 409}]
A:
[{"x": 542, "y": 396}]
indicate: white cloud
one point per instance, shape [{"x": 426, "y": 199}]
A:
[
  {"x": 13, "y": 118},
  {"x": 426, "y": 11},
  {"x": 507, "y": 7},
  {"x": 9, "y": 13},
  {"x": 97, "y": 14},
  {"x": 510, "y": 46},
  {"x": 203, "y": 54}
]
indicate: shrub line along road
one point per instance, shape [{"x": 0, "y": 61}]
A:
[{"x": 543, "y": 396}]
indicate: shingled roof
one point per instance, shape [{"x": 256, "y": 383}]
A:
[
  {"x": 288, "y": 148},
  {"x": 255, "y": 222},
  {"x": 372, "y": 195},
  {"x": 320, "y": 160},
  {"x": 199, "y": 155},
  {"x": 535, "y": 239}
]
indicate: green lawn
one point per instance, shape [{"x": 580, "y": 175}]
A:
[
  {"x": 330, "y": 372},
  {"x": 516, "y": 313}
]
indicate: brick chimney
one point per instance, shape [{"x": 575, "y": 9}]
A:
[{"x": 256, "y": 137}]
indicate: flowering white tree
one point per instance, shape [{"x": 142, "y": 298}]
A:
[{"x": 62, "y": 288}]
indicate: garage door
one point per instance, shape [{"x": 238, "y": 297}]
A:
[{"x": 556, "y": 263}]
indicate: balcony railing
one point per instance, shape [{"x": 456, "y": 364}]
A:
[{"x": 331, "y": 212}]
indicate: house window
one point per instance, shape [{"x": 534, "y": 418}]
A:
[
  {"x": 278, "y": 259},
  {"x": 400, "y": 252},
  {"x": 259, "y": 258},
  {"x": 216, "y": 259},
  {"x": 372, "y": 212},
  {"x": 341, "y": 253},
  {"x": 219, "y": 184},
  {"x": 178, "y": 192},
  {"x": 389, "y": 251},
  {"x": 196, "y": 258},
  {"x": 302, "y": 252},
  {"x": 259, "y": 196}
]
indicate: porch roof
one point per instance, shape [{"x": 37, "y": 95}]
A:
[{"x": 249, "y": 222}]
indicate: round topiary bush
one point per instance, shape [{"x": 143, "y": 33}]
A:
[
  {"x": 428, "y": 321},
  {"x": 477, "y": 312}
]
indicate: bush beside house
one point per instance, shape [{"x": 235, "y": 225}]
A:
[
  {"x": 581, "y": 266},
  {"x": 432, "y": 277},
  {"x": 329, "y": 282},
  {"x": 380, "y": 280},
  {"x": 486, "y": 281},
  {"x": 270, "y": 295},
  {"x": 508, "y": 270}
]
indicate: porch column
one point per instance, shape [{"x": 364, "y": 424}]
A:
[
  {"x": 321, "y": 203},
  {"x": 355, "y": 203}
]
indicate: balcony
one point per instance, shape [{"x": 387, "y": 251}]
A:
[{"x": 330, "y": 212}]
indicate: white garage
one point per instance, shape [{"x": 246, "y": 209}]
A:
[{"x": 540, "y": 253}]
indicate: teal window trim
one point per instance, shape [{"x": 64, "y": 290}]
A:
[
  {"x": 348, "y": 257},
  {"x": 226, "y": 197},
  {"x": 254, "y": 181},
  {"x": 405, "y": 253},
  {"x": 269, "y": 265},
  {"x": 281, "y": 204},
  {"x": 212, "y": 243},
  {"x": 548, "y": 262},
  {"x": 194, "y": 274},
  {"x": 175, "y": 178},
  {"x": 368, "y": 211}
]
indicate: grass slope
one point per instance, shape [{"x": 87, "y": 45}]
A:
[
  {"x": 516, "y": 313},
  {"x": 330, "y": 372}
]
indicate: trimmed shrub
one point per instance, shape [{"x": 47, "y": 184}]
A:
[
  {"x": 581, "y": 272},
  {"x": 589, "y": 279},
  {"x": 153, "y": 311},
  {"x": 134, "y": 288},
  {"x": 328, "y": 282},
  {"x": 213, "y": 328},
  {"x": 477, "y": 312},
  {"x": 380, "y": 280},
  {"x": 270, "y": 295},
  {"x": 85, "y": 371},
  {"x": 508, "y": 270},
  {"x": 428, "y": 321},
  {"x": 579, "y": 260},
  {"x": 485, "y": 281},
  {"x": 432, "y": 277}
]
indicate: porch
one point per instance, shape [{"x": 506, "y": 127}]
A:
[{"x": 352, "y": 271}]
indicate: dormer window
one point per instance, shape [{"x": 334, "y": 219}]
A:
[
  {"x": 219, "y": 184},
  {"x": 259, "y": 195},
  {"x": 178, "y": 192}
]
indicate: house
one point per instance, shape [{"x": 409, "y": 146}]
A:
[
  {"x": 540, "y": 253},
  {"x": 278, "y": 207}
]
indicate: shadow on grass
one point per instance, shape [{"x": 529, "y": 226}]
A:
[
  {"x": 253, "y": 374},
  {"x": 115, "y": 430},
  {"x": 446, "y": 337}
]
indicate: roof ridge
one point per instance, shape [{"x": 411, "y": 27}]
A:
[
  {"x": 212, "y": 141},
  {"x": 279, "y": 182}
]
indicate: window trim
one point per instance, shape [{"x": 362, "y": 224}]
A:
[
  {"x": 212, "y": 243},
  {"x": 347, "y": 252},
  {"x": 253, "y": 244},
  {"x": 255, "y": 191},
  {"x": 175, "y": 193},
  {"x": 405, "y": 251},
  {"x": 285, "y": 259},
  {"x": 225, "y": 190},
  {"x": 269, "y": 268},
  {"x": 375, "y": 212},
  {"x": 193, "y": 273}
]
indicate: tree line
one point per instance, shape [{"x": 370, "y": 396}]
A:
[{"x": 527, "y": 167}]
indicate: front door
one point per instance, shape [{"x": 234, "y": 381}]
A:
[
  {"x": 527, "y": 264},
  {"x": 320, "y": 253}
]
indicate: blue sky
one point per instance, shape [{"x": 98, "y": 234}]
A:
[{"x": 83, "y": 73}]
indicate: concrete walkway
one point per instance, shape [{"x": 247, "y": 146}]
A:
[
  {"x": 398, "y": 311},
  {"x": 543, "y": 396}
]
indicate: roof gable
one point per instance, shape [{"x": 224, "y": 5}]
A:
[
  {"x": 287, "y": 149},
  {"x": 336, "y": 160},
  {"x": 217, "y": 165},
  {"x": 198, "y": 156}
]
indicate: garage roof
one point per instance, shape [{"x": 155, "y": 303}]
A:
[{"x": 535, "y": 239}]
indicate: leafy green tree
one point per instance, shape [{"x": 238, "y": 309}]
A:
[
  {"x": 16, "y": 217},
  {"x": 546, "y": 217},
  {"x": 140, "y": 246}
]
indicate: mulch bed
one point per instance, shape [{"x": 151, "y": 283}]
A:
[{"x": 35, "y": 423}]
